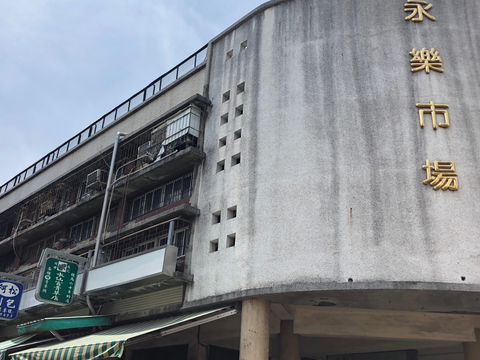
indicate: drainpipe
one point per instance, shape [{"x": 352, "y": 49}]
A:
[
  {"x": 171, "y": 229},
  {"x": 105, "y": 200}
]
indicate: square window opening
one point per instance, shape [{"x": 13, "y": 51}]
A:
[
  {"x": 214, "y": 246},
  {"x": 224, "y": 119},
  {"x": 232, "y": 212},
  {"x": 230, "y": 54},
  {"x": 216, "y": 217},
  {"x": 222, "y": 142},
  {"x": 237, "y": 134},
  {"x": 231, "y": 239},
  {"x": 235, "y": 159},
  {"x": 226, "y": 96},
  {"x": 239, "y": 110},
  {"x": 241, "y": 88},
  {"x": 220, "y": 166},
  {"x": 244, "y": 45}
]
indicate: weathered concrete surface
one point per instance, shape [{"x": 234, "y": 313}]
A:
[
  {"x": 472, "y": 349},
  {"x": 329, "y": 187}
]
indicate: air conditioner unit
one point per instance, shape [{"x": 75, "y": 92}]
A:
[
  {"x": 47, "y": 208},
  {"x": 146, "y": 152},
  {"x": 97, "y": 179}
]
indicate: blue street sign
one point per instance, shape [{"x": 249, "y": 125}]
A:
[{"x": 10, "y": 296}]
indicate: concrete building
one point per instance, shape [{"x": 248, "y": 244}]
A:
[{"x": 272, "y": 195}]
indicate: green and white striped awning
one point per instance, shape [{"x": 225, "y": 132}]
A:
[
  {"x": 4, "y": 346},
  {"x": 111, "y": 343}
]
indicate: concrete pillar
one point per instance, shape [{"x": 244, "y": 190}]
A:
[
  {"x": 288, "y": 342},
  {"x": 255, "y": 332},
  {"x": 196, "y": 349},
  {"x": 471, "y": 351}
]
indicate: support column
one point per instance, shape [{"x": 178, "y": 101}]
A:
[
  {"x": 255, "y": 332},
  {"x": 471, "y": 351},
  {"x": 288, "y": 342}
]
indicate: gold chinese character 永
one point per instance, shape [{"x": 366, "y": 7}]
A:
[
  {"x": 426, "y": 60},
  {"x": 416, "y": 8},
  {"x": 441, "y": 175},
  {"x": 433, "y": 109}
]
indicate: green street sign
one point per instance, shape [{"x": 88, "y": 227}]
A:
[{"x": 56, "y": 282}]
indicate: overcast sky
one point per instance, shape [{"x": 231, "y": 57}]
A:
[{"x": 65, "y": 63}]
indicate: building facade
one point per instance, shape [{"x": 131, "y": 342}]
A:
[{"x": 312, "y": 168}]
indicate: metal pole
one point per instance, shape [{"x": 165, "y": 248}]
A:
[
  {"x": 171, "y": 229},
  {"x": 105, "y": 200}
]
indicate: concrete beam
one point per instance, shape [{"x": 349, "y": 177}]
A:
[{"x": 393, "y": 325}]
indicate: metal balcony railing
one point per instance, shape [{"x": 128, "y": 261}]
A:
[
  {"x": 163, "y": 81},
  {"x": 174, "y": 134}
]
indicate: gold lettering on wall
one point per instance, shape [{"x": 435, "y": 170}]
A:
[
  {"x": 426, "y": 60},
  {"x": 416, "y": 8},
  {"x": 441, "y": 175},
  {"x": 433, "y": 109}
]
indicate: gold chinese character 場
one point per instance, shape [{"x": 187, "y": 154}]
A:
[
  {"x": 426, "y": 60},
  {"x": 416, "y": 8},
  {"x": 433, "y": 109},
  {"x": 441, "y": 175}
]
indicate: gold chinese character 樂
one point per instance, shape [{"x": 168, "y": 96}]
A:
[
  {"x": 416, "y": 8},
  {"x": 426, "y": 60},
  {"x": 443, "y": 175},
  {"x": 433, "y": 109}
]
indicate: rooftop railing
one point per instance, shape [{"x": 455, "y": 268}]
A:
[{"x": 154, "y": 87}]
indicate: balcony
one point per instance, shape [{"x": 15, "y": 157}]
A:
[
  {"x": 168, "y": 146},
  {"x": 131, "y": 264}
]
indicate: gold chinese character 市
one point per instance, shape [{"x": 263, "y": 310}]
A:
[
  {"x": 426, "y": 60},
  {"x": 433, "y": 109},
  {"x": 416, "y": 8},
  {"x": 441, "y": 175}
]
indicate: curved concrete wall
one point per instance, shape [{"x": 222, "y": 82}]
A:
[{"x": 330, "y": 182}]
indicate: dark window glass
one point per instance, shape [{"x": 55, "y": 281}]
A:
[
  {"x": 187, "y": 182},
  {"x": 87, "y": 229},
  {"x": 157, "y": 198},
  {"x": 136, "y": 208},
  {"x": 177, "y": 190},
  {"x": 76, "y": 232},
  {"x": 168, "y": 194},
  {"x": 179, "y": 243},
  {"x": 148, "y": 202}
]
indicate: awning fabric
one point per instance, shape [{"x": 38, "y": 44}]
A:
[
  {"x": 60, "y": 323},
  {"x": 4, "y": 346},
  {"x": 109, "y": 343}
]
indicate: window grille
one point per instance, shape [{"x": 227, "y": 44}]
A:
[
  {"x": 31, "y": 253},
  {"x": 147, "y": 240},
  {"x": 163, "y": 195},
  {"x": 81, "y": 231}
]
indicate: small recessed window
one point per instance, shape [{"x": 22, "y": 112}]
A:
[
  {"x": 237, "y": 134},
  {"x": 220, "y": 166},
  {"x": 243, "y": 46},
  {"x": 222, "y": 142},
  {"x": 231, "y": 212},
  {"x": 226, "y": 96},
  {"x": 231, "y": 240},
  {"x": 214, "y": 246},
  {"x": 239, "y": 110},
  {"x": 216, "y": 217},
  {"x": 236, "y": 159},
  {"x": 224, "y": 119},
  {"x": 240, "y": 88},
  {"x": 229, "y": 54}
]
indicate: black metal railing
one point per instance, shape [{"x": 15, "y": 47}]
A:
[
  {"x": 154, "y": 87},
  {"x": 174, "y": 134}
]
